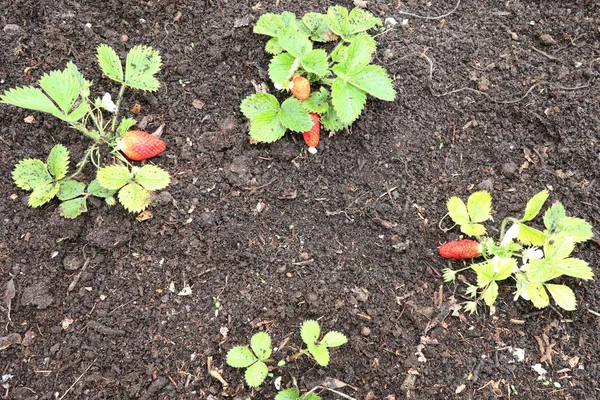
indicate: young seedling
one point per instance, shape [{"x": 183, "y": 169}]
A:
[
  {"x": 66, "y": 95},
  {"x": 531, "y": 257},
  {"x": 253, "y": 360},
  {"x": 319, "y": 349},
  {"x": 294, "y": 394},
  {"x": 344, "y": 77}
]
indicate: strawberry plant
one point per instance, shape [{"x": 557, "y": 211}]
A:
[
  {"x": 319, "y": 349},
  {"x": 294, "y": 394},
  {"x": 253, "y": 360},
  {"x": 342, "y": 78},
  {"x": 533, "y": 258},
  {"x": 66, "y": 95}
]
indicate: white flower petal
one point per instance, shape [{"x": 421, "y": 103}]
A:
[
  {"x": 510, "y": 235},
  {"x": 107, "y": 103}
]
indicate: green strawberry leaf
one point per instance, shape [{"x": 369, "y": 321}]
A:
[
  {"x": 141, "y": 65},
  {"x": 334, "y": 339},
  {"x": 534, "y": 205},
  {"x": 578, "y": 229},
  {"x": 559, "y": 246},
  {"x": 273, "y": 46},
  {"x": 485, "y": 273},
  {"x": 83, "y": 84},
  {"x": 374, "y": 80},
  {"x": 152, "y": 177},
  {"x": 310, "y": 332},
  {"x": 337, "y": 20},
  {"x": 553, "y": 214},
  {"x": 540, "y": 271},
  {"x": 293, "y": 116},
  {"x": 473, "y": 229},
  {"x": 317, "y": 102},
  {"x": 95, "y": 189},
  {"x": 563, "y": 296},
  {"x": 315, "y": 62},
  {"x": 261, "y": 345},
  {"x": 253, "y": 105},
  {"x": 360, "y": 20},
  {"x": 240, "y": 357},
  {"x": 530, "y": 236},
  {"x": 266, "y": 127},
  {"x": 273, "y": 24},
  {"x": 310, "y": 396},
  {"x": 573, "y": 267},
  {"x": 124, "y": 126},
  {"x": 43, "y": 193},
  {"x": 479, "y": 206},
  {"x": 69, "y": 189},
  {"x": 504, "y": 268},
  {"x": 288, "y": 394},
  {"x": 320, "y": 354},
  {"x": 73, "y": 208},
  {"x": 317, "y": 28},
  {"x": 331, "y": 120},
  {"x": 348, "y": 101},
  {"x": 358, "y": 56},
  {"x": 30, "y": 98},
  {"x": 339, "y": 54},
  {"x": 282, "y": 67},
  {"x": 110, "y": 63},
  {"x": 490, "y": 294},
  {"x": 113, "y": 177},
  {"x": 134, "y": 197},
  {"x": 62, "y": 87},
  {"x": 58, "y": 161},
  {"x": 256, "y": 374},
  {"x": 538, "y": 295},
  {"x": 30, "y": 173},
  {"x": 457, "y": 209},
  {"x": 295, "y": 42}
]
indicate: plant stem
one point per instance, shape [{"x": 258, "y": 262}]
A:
[
  {"x": 298, "y": 354},
  {"x": 82, "y": 163},
  {"x": 118, "y": 105}
]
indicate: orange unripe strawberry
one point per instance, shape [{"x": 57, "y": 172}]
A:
[
  {"x": 460, "y": 249},
  {"x": 311, "y": 136},
  {"x": 139, "y": 145},
  {"x": 301, "y": 87}
]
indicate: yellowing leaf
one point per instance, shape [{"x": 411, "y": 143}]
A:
[
  {"x": 563, "y": 296},
  {"x": 479, "y": 206}
]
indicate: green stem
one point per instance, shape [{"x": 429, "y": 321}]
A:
[
  {"x": 118, "y": 105},
  {"x": 298, "y": 354},
  {"x": 82, "y": 163}
]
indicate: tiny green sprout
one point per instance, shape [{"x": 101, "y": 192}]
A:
[
  {"x": 310, "y": 333},
  {"x": 253, "y": 360},
  {"x": 294, "y": 394}
]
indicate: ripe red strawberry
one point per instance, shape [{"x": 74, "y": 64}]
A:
[
  {"x": 301, "y": 88},
  {"x": 140, "y": 145},
  {"x": 311, "y": 136},
  {"x": 460, "y": 249}
]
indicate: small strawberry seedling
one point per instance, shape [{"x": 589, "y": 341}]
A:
[
  {"x": 344, "y": 77},
  {"x": 533, "y": 258},
  {"x": 319, "y": 349},
  {"x": 253, "y": 360},
  {"x": 294, "y": 394},
  {"x": 66, "y": 95}
]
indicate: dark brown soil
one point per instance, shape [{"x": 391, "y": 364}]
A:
[{"x": 348, "y": 236}]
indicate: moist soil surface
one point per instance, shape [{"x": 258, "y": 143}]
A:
[{"x": 500, "y": 96}]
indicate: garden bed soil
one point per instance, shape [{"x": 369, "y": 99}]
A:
[{"x": 266, "y": 236}]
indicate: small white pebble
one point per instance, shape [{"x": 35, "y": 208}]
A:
[
  {"x": 88, "y": 25},
  {"x": 312, "y": 150}
]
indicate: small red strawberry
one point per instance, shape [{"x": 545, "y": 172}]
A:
[
  {"x": 311, "y": 136},
  {"x": 460, "y": 249},
  {"x": 301, "y": 87},
  {"x": 140, "y": 145}
]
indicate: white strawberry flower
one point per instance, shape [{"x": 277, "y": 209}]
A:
[
  {"x": 107, "y": 103},
  {"x": 510, "y": 235}
]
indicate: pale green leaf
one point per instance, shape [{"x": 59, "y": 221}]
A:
[
  {"x": 282, "y": 67},
  {"x": 30, "y": 173},
  {"x": 540, "y": 271},
  {"x": 538, "y": 295},
  {"x": 359, "y": 55},
  {"x": 374, "y": 80},
  {"x": 273, "y": 46},
  {"x": 348, "y": 101},
  {"x": 30, "y": 98},
  {"x": 559, "y": 246},
  {"x": 261, "y": 345},
  {"x": 530, "y": 236},
  {"x": 573, "y": 267},
  {"x": 274, "y": 24},
  {"x": 457, "y": 209},
  {"x": 266, "y": 127},
  {"x": 78, "y": 113},
  {"x": 360, "y": 20},
  {"x": 295, "y": 42},
  {"x": 96, "y": 189},
  {"x": 124, "y": 126},
  {"x": 310, "y": 331},
  {"x": 288, "y": 394},
  {"x": 334, "y": 339},
  {"x": 293, "y": 116},
  {"x": 69, "y": 189},
  {"x": 62, "y": 87},
  {"x": 337, "y": 19},
  {"x": 339, "y": 54},
  {"x": 479, "y": 206},
  {"x": 553, "y": 214},
  {"x": 534, "y": 205},
  {"x": 58, "y": 161},
  {"x": 563, "y": 296},
  {"x": 141, "y": 65},
  {"x": 490, "y": 294},
  {"x": 317, "y": 28},
  {"x": 73, "y": 208},
  {"x": 240, "y": 357},
  {"x": 110, "y": 63},
  {"x": 256, "y": 374},
  {"x": 578, "y": 229},
  {"x": 473, "y": 229},
  {"x": 331, "y": 120},
  {"x": 320, "y": 354},
  {"x": 113, "y": 177},
  {"x": 503, "y": 268},
  {"x": 485, "y": 273},
  {"x": 310, "y": 396},
  {"x": 134, "y": 197},
  {"x": 317, "y": 102},
  {"x": 315, "y": 62},
  {"x": 83, "y": 84},
  {"x": 152, "y": 177},
  {"x": 255, "y": 104},
  {"x": 43, "y": 193}
]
